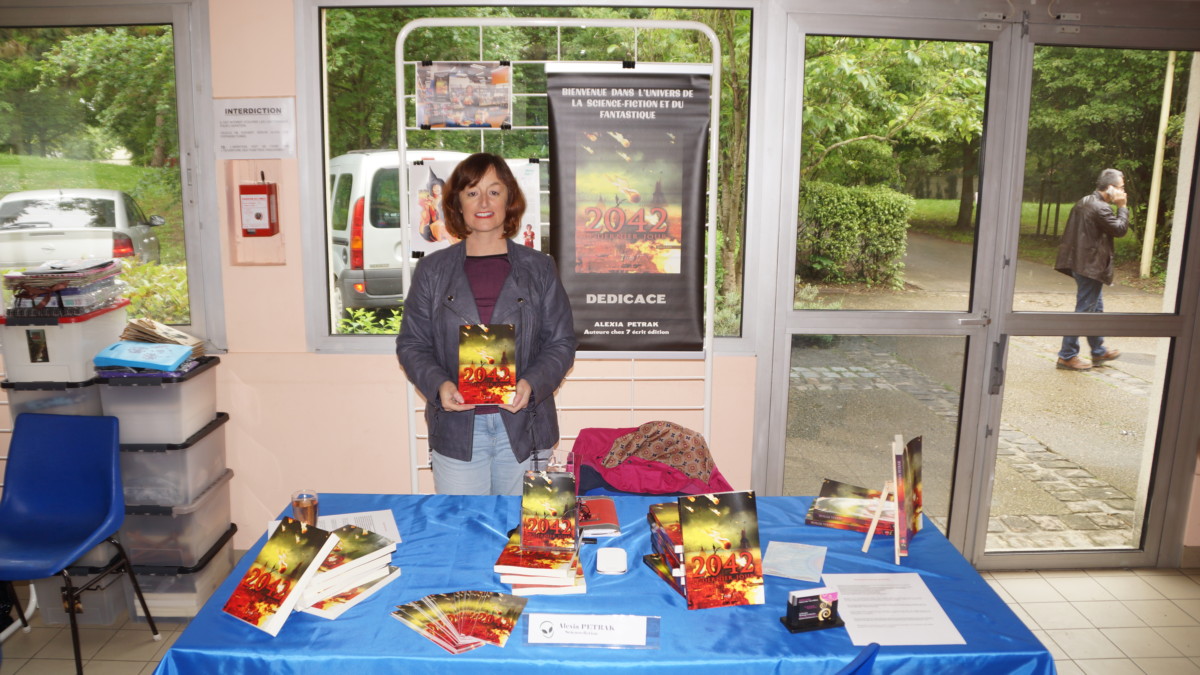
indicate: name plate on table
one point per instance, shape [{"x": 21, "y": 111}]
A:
[{"x": 620, "y": 631}]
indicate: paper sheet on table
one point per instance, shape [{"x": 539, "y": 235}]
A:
[
  {"x": 892, "y": 609},
  {"x": 794, "y": 561},
  {"x": 383, "y": 522}
]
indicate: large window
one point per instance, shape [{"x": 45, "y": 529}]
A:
[
  {"x": 364, "y": 292},
  {"x": 106, "y": 106}
]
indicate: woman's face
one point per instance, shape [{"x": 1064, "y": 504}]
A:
[
  {"x": 437, "y": 190},
  {"x": 484, "y": 204}
]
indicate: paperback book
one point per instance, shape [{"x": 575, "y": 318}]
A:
[
  {"x": 487, "y": 372},
  {"x": 721, "y": 555},
  {"x": 850, "y": 507},
  {"x": 655, "y": 562},
  {"x": 334, "y": 606},
  {"x": 907, "y": 464},
  {"x": 275, "y": 581},
  {"x": 359, "y": 556},
  {"x": 548, "y": 511},
  {"x": 514, "y": 559},
  {"x": 525, "y": 585},
  {"x": 598, "y": 517}
]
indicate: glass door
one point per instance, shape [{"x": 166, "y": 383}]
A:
[{"x": 931, "y": 182}]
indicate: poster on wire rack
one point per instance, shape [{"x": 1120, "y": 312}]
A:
[{"x": 628, "y": 151}]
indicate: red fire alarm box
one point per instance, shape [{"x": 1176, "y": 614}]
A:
[{"x": 260, "y": 214}]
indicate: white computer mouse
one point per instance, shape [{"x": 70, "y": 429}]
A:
[{"x": 611, "y": 560}]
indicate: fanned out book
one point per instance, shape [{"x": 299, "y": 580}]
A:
[
  {"x": 487, "y": 371},
  {"x": 334, "y": 606},
  {"x": 722, "y": 559},
  {"x": 850, "y": 507},
  {"x": 360, "y": 556},
  {"x": 514, "y": 559},
  {"x": 548, "y": 511},
  {"x": 598, "y": 517},
  {"x": 463, "y": 620},
  {"x": 270, "y": 589}
]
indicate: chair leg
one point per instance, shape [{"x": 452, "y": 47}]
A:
[
  {"x": 137, "y": 589},
  {"x": 71, "y": 599},
  {"x": 12, "y": 593}
]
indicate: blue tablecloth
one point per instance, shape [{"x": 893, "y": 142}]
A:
[{"x": 450, "y": 543}]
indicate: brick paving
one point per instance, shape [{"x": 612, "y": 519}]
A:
[{"x": 1097, "y": 515}]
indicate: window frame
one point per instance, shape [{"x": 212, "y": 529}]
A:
[
  {"x": 193, "y": 86},
  {"x": 314, "y": 180}
]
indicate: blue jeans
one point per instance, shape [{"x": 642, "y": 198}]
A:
[
  {"x": 1087, "y": 299},
  {"x": 492, "y": 469}
]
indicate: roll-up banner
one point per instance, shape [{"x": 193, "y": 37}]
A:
[{"x": 628, "y": 151}]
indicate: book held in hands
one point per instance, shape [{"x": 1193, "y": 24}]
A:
[{"x": 487, "y": 371}]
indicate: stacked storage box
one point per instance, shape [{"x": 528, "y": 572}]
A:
[
  {"x": 177, "y": 528},
  {"x": 48, "y": 349}
]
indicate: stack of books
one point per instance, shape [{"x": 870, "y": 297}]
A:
[
  {"x": 321, "y": 570},
  {"x": 358, "y": 566},
  {"x": 541, "y": 556},
  {"x": 64, "y": 288},
  {"x": 532, "y": 571},
  {"x": 706, "y": 547},
  {"x": 666, "y": 544},
  {"x": 149, "y": 330}
]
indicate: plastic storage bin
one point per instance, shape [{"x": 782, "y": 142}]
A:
[
  {"x": 54, "y": 398},
  {"x": 180, "y": 592},
  {"x": 177, "y": 536},
  {"x": 102, "y": 606},
  {"x": 169, "y": 474},
  {"x": 162, "y": 409},
  {"x": 58, "y": 349}
]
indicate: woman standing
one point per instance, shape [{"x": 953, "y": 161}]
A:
[{"x": 486, "y": 278}]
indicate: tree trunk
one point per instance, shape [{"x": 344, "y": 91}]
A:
[{"x": 966, "y": 197}]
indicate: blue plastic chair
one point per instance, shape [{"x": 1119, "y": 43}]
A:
[
  {"x": 863, "y": 663},
  {"x": 63, "y": 496}
]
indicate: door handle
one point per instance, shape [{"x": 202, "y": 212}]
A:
[{"x": 981, "y": 321}]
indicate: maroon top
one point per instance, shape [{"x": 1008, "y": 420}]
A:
[{"x": 486, "y": 274}]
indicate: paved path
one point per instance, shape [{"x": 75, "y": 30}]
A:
[{"x": 1066, "y": 474}]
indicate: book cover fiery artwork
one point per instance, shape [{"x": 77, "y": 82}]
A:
[{"x": 487, "y": 370}]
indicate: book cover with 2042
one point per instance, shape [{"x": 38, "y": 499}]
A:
[
  {"x": 549, "y": 511},
  {"x": 271, "y": 587},
  {"x": 721, "y": 555},
  {"x": 514, "y": 559},
  {"x": 487, "y": 371}
]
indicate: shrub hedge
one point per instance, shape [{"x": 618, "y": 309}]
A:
[{"x": 852, "y": 233}]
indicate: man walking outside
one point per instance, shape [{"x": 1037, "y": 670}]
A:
[{"x": 1086, "y": 253}]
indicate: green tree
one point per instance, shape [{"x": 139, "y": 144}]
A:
[
  {"x": 126, "y": 76},
  {"x": 39, "y": 120},
  {"x": 1092, "y": 109}
]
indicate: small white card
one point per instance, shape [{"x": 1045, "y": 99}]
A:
[
  {"x": 608, "y": 630},
  {"x": 794, "y": 561}
]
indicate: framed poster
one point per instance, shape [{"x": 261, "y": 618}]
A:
[
  {"x": 464, "y": 95},
  {"x": 629, "y": 152}
]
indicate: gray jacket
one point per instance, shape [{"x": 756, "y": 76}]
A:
[{"x": 532, "y": 299}]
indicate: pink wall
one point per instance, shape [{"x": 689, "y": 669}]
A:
[{"x": 337, "y": 423}]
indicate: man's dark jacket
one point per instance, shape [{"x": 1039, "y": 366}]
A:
[
  {"x": 1087, "y": 244},
  {"x": 532, "y": 299}
]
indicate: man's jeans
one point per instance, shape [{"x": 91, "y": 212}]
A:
[{"x": 1087, "y": 299}]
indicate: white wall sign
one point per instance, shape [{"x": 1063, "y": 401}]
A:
[{"x": 255, "y": 128}]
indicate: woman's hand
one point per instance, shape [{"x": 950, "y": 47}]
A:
[
  {"x": 451, "y": 399},
  {"x": 520, "y": 399}
]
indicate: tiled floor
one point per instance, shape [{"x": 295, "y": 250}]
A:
[{"x": 1099, "y": 622}]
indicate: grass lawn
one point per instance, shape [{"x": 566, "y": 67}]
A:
[
  {"x": 154, "y": 189},
  {"x": 937, "y": 217}
]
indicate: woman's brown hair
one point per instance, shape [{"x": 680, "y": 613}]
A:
[{"x": 467, "y": 174}]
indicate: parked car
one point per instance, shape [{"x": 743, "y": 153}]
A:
[
  {"x": 364, "y": 228},
  {"x": 41, "y": 225}
]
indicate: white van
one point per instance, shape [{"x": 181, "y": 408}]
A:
[{"x": 364, "y": 229}]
